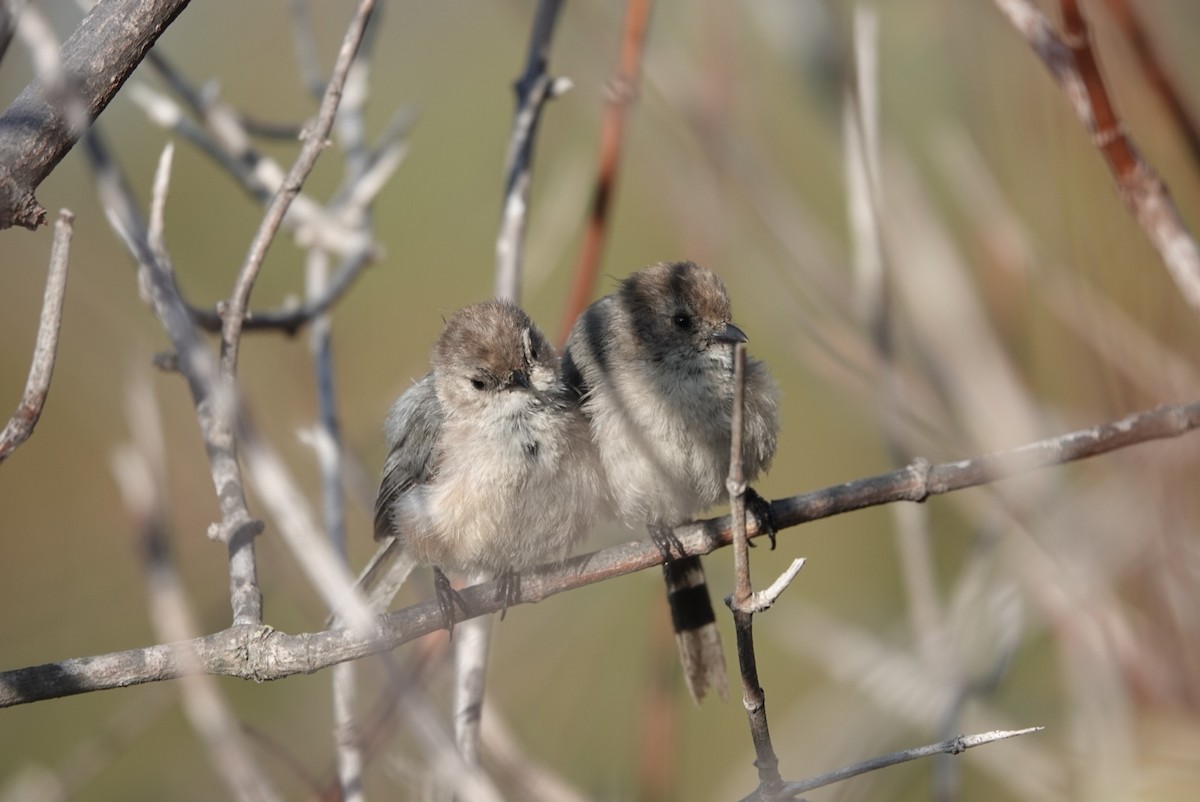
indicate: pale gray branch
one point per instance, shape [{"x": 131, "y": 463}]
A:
[
  {"x": 534, "y": 88},
  {"x": 262, "y": 653},
  {"x": 42, "y": 124},
  {"x": 37, "y": 386}
]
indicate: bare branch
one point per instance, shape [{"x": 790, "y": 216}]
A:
[
  {"x": 315, "y": 142},
  {"x": 742, "y": 600},
  {"x": 304, "y": 44},
  {"x": 1072, "y": 62},
  {"x": 762, "y": 600},
  {"x": 262, "y": 653},
  {"x": 951, "y": 746},
  {"x": 156, "y": 283},
  {"x": 294, "y": 519},
  {"x": 290, "y": 319},
  {"x": 138, "y": 473},
  {"x": 533, "y": 89},
  {"x": 1156, "y": 71},
  {"x": 37, "y": 130},
  {"x": 621, "y": 92},
  {"x": 37, "y": 385}
]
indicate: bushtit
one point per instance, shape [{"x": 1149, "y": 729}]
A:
[
  {"x": 490, "y": 467},
  {"x": 652, "y": 365}
]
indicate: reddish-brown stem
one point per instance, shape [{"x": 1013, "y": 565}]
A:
[
  {"x": 621, "y": 92},
  {"x": 1156, "y": 72},
  {"x": 1107, "y": 130},
  {"x": 1073, "y": 64}
]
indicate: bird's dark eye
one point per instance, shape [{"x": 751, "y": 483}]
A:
[
  {"x": 682, "y": 320},
  {"x": 478, "y": 384}
]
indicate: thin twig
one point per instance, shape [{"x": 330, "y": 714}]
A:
[
  {"x": 262, "y": 653},
  {"x": 225, "y": 424},
  {"x": 952, "y": 746},
  {"x": 1160, "y": 78},
  {"x": 1073, "y": 64},
  {"x": 156, "y": 284},
  {"x": 296, "y": 523},
  {"x": 533, "y": 89},
  {"x": 315, "y": 142},
  {"x": 327, "y": 445},
  {"x": 304, "y": 47},
  {"x": 741, "y": 602},
  {"x": 289, "y": 320},
  {"x": 622, "y": 90},
  {"x": 141, "y": 485},
  {"x": 227, "y": 143},
  {"x": 37, "y": 386},
  {"x": 206, "y": 105},
  {"x": 328, "y": 441}
]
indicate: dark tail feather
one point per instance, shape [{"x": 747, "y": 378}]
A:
[{"x": 696, "y": 632}]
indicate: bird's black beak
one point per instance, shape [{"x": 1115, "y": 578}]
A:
[
  {"x": 519, "y": 378},
  {"x": 731, "y": 334}
]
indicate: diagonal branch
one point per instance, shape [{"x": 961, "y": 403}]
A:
[
  {"x": 290, "y": 319},
  {"x": 37, "y": 386},
  {"x": 1073, "y": 64},
  {"x": 1159, "y": 76},
  {"x": 951, "y": 746},
  {"x": 315, "y": 142},
  {"x": 534, "y": 88},
  {"x": 262, "y": 653},
  {"x": 49, "y": 116}
]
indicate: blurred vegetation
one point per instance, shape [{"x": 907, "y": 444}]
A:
[{"x": 1072, "y": 592}]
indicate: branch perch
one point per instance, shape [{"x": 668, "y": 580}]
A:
[{"x": 262, "y": 653}]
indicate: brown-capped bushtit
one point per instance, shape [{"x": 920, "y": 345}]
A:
[
  {"x": 490, "y": 467},
  {"x": 652, "y": 365}
]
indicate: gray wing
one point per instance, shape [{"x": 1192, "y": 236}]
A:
[{"x": 413, "y": 429}]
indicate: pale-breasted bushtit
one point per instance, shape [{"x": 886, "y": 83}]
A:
[
  {"x": 490, "y": 467},
  {"x": 652, "y": 365}
]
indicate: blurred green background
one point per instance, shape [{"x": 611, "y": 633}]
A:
[{"x": 1025, "y": 302}]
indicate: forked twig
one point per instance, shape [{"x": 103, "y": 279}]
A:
[{"x": 315, "y": 142}]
